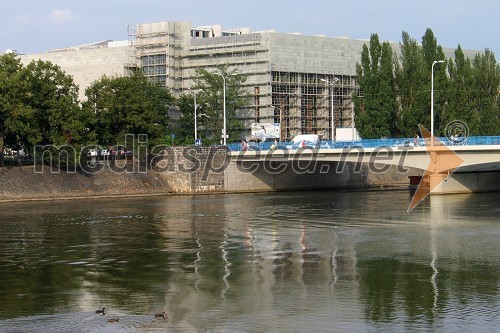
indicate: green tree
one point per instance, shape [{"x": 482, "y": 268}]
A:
[
  {"x": 431, "y": 52},
  {"x": 486, "y": 89},
  {"x": 388, "y": 100},
  {"x": 211, "y": 102},
  {"x": 55, "y": 124},
  {"x": 411, "y": 83},
  {"x": 128, "y": 105},
  {"x": 55, "y": 117},
  {"x": 464, "y": 89},
  {"x": 40, "y": 107},
  {"x": 367, "y": 81},
  {"x": 460, "y": 93},
  {"x": 184, "y": 128},
  {"x": 376, "y": 112},
  {"x": 13, "y": 91}
]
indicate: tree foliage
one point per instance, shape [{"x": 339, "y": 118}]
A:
[
  {"x": 39, "y": 105},
  {"x": 128, "y": 106},
  {"x": 210, "y": 102},
  {"x": 55, "y": 116},
  {"x": 184, "y": 130},
  {"x": 376, "y": 112},
  {"x": 397, "y": 97},
  {"x": 486, "y": 76},
  {"x": 12, "y": 106},
  {"x": 460, "y": 93},
  {"x": 411, "y": 86}
]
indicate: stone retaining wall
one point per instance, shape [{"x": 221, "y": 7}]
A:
[
  {"x": 185, "y": 171},
  {"x": 20, "y": 183}
]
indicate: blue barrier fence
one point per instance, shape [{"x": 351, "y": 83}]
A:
[{"x": 374, "y": 143}]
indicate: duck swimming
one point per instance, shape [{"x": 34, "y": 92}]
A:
[
  {"x": 162, "y": 315},
  {"x": 113, "y": 320},
  {"x": 101, "y": 311}
]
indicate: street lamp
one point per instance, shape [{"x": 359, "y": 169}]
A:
[
  {"x": 332, "y": 116},
  {"x": 432, "y": 98},
  {"x": 353, "y": 132},
  {"x": 281, "y": 120},
  {"x": 224, "y": 135},
  {"x": 195, "y": 116}
]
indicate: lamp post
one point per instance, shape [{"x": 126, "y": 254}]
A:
[
  {"x": 281, "y": 120},
  {"x": 432, "y": 98},
  {"x": 354, "y": 136},
  {"x": 195, "y": 116},
  {"x": 224, "y": 135},
  {"x": 332, "y": 116}
]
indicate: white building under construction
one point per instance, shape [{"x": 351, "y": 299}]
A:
[
  {"x": 294, "y": 79},
  {"x": 289, "y": 76}
]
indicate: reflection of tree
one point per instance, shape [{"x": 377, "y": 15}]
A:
[
  {"x": 472, "y": 278},
  {"x": 378, "y": 280},
  {"x": 136, "y": 254},
  {"x": 417, "y": 289},
  {"x": 60, "y": 257},
  {"x": 386, "y": 281},
  {"x": 131, "y": 263},
  {"x": 42, "y": 277}
]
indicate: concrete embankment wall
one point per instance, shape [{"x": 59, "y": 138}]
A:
[
  {"x": 185, "y": 171},
  {"x": 321, "y": 176},
  {"x": 23, "y": 183}
]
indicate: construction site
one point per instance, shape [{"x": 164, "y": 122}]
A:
[
  {"x": 312, "y": 103},
  {"x": 303, "y": 83}
]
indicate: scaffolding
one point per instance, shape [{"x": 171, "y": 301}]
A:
[
  {"x": 302, "y": 102},
  {"x": 158, "y": 50},
  {"x": 293, "y": 92},
  {"x": 245, "y": 53}
]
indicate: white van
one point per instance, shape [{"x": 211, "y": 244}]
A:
[{"x": 305, "y": 141}]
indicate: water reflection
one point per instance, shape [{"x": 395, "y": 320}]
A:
[{"x": 331, "y": 261}]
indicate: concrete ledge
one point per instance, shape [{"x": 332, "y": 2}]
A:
[
  {"x": 469, "y": 183},
  {"x": 192, "y": 171}
]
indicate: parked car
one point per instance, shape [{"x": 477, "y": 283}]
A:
[
  {"x": 120, "y": 152},
  {"x": 98, "y": 152},
  {"x": 303, "y": 141},
  {"x": 93, "y": 152}
]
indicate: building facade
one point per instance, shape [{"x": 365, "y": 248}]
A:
[
  {"x": 291, "y": 78},
  {"x": 88, "y": 63},
  {"x": 304, "y": 83}
]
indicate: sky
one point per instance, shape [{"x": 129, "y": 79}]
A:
[{"x": 36, "y": 26}]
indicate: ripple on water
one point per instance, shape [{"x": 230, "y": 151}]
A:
[{"x": 77, "y": 323}]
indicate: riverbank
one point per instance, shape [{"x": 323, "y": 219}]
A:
[
  {"x": 23, "y": 183},
  {"x": 180, "y": 171}
]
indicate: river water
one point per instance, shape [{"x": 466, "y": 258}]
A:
[{"x": 268, "y": 262}]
